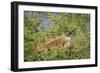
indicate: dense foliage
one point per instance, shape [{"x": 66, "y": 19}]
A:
[{"x": 40, "y": 27}]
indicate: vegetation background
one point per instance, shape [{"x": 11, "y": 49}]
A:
[{"x": 43, "y": 26}]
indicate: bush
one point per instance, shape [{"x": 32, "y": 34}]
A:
[{"x": 74, "y": 25}]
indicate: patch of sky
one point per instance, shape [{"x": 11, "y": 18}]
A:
[{"x": 46, "y": 23}]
